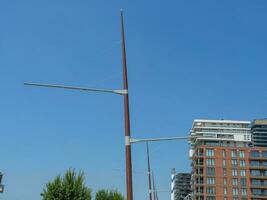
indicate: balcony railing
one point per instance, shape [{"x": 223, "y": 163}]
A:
[{"x": 259, "y": 186}]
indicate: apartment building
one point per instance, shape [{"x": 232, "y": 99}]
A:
[
  {"x": 224, "y": 165},
  {"x": 259, "y": 132},
  {"x": 182, "y": 185}
]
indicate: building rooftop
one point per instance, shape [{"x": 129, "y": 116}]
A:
[
  {"x": 222, "y": 121},
  {"x": 220, "y": 130},
  {"x": 260, "y": 122}
]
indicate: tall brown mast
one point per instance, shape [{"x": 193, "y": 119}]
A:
[{"x": 127, "y": 119}]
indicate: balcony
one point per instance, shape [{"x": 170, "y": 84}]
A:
[
  {"x": 258, "y": 158},
  {"x": 200, "y": 174},
  {"x": 199, "y": 165},
  {"x": 259, "y": 193},
  {"x": 259, "y": 196},
  {"x": 199, "y": 193},
  {"x": 258, "y": 176},
  {"x": 199, "y": 155},
  {"x": 256, "y": 155},
  {"x": 199, "y": 184},
  {"x": 258, "y": 167},
  {"x": 259, "y": 186}
]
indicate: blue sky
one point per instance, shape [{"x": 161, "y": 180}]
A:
[{"x": 186, "y": 60}]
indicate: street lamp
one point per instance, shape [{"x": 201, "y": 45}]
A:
[
  {"x": 150, "y": 174},
  {"x": 124, "y": 92}
]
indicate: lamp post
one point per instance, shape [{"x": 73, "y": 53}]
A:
[
  {"x": 124, "y": 92},
  {"x": 126, "y": 118},
  {"x": 150, "y": 174}
]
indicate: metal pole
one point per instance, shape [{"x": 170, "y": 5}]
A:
[
  {"x": 154, "y": 187},
  {"x": 127, "y": 119},
  {"x": 157, "y": 198},
  {"x": 149, "y": 173}
]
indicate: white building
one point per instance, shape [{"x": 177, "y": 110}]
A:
[{"x": 219, "y": 133}]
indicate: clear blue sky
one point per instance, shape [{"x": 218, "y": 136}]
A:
[{"x": 186, "y": 59}]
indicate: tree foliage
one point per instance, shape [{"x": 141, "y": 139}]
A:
[
  {"x": 70, "y": 187},
  {"x": 108, "y": 195}
]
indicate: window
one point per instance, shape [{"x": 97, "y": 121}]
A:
[
  {"x": 243, "y": 182},
  {"x": 223, "y": 153},
  {"x": 241, "y": 154},
  {"x": 199, "y": 161},
  {"x": 210, "y": 162},
  {"x": 255, "y": 172},
  {"x": 264, "y": 154},
  {"x": 240, "y": 144},
  {"x": 242, "y": 172},
  {"x": 234, "y": 181},
  {"x": 210, "y": 171},
  {"x": 224, "y": 172},
  {"x": 246, "y": 137},
  {"x": 255, "y": 182},
  {"x": 199, "y": 180},
  {"x": 233, "y": 154},
  {"x": 210, "y": 152},
  {"x": 235, "y": 191},
  {"x": 225, "y": 191},
  {"x": 243, "y": 191},
  {"x": 254, "y": 163},
  {"x": 199, "y": 152},
  {"x": 210, "y": 190},
  {"x": 199, "y": 170},
  {"x": 256, "y": 192},
  {"x": 255, "y": 154},
  {"x": 210, "y": 180},
  {"x": 224, "y": 181},
  {"x": 234, "y": 172},
  {"x": 224, "y": 162},
  {"x": 234, "y": 163},
  {"x": 242, "y": 163},
  {"x": 199, "y": 190}
]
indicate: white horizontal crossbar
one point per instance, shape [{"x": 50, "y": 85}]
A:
[
  {"x": 120, "y": 92},
  {"x": 158, "y": 139}
]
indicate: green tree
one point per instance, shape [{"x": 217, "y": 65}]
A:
[
  {"x": 70, "y": 187},
  {"x": 108, "y": 195}
]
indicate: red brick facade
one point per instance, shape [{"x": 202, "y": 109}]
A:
[{"x": 229, "y": 173}]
